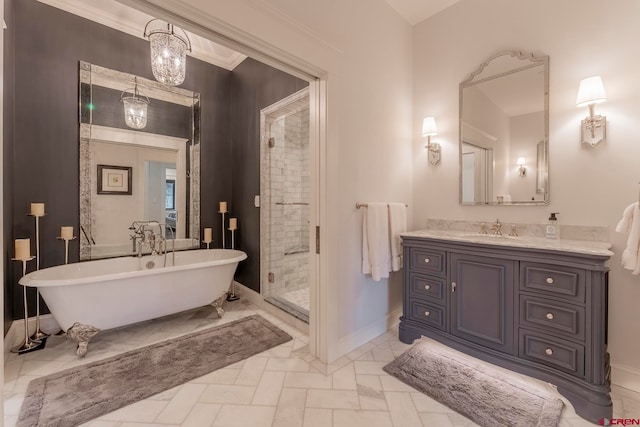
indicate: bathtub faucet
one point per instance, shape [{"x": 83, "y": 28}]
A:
[{"x": 144, "y": 233}]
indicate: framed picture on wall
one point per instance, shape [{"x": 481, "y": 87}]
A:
[{"x": 114, "y": 179}]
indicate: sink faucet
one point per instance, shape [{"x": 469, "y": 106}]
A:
[{"x": 497, "y": 228}]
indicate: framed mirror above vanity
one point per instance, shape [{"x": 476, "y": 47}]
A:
[
  {"x": 130, "y": 174},
  {"x": 504, "y": 131}
]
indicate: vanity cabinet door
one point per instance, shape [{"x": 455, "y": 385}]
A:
[{"x": 482, "y": 300}]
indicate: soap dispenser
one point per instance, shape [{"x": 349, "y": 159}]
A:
[{"x": 552, "y": 226}]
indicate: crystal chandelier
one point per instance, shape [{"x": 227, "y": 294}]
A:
[
  {"x": 168, "y": 52},
  {"x": 135, "y": 107}
]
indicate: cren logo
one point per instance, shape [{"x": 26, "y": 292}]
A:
[{"x": 619, "y": 422}]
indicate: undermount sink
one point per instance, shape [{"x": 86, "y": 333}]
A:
[{"x": 489, "y": 236}]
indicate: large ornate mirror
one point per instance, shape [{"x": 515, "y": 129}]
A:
[
  {"x": 504, "y": 131},
  {"x": 131, "y": 174}
]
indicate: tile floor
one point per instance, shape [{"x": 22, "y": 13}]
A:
[{"x": 284, "y": 386}]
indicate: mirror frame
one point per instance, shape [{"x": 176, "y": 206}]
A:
[
  {"x": 192, "y": 154},
  {"x": 474, "y": 79}
]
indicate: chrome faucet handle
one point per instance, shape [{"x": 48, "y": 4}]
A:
[
  {"x": 483, "y": 228},
  {"x": 513, "y": 232},
  {"x": 497, "y": 228}
]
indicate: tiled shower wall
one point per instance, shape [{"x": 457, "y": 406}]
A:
[{"x": 287, "y": 184}]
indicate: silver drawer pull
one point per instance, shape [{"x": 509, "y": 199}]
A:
[
  {"x": 427, "y": 287},
  {"x": 549, "y": 280},
  {"x": 550, "y": 316},
  {"x": 427, "y": 260},
  {"x": 427, "y": 313},
  {"x": 549, "y": 351}
]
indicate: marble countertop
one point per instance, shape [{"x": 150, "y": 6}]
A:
[{"x": 576, "y": 246}]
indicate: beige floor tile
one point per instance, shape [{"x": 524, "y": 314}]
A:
[
  {"x": 245, "y": 416},
  {"x": 424, "y": 403},
  {"x": 430, "y": 419},
  {"x": 364, "y": 367},
  {"x": 390, "y": 383},
  {"x": 101, "y": 424},
  {"x": 355, "y": 354},
  {"x": 346, "y": 418},
  {"x": 180, "y": 405},
  {"x": 307, "y": 380},
  {"x": 382, "y": 353},
  {"x": 144, "y": 411},
  {"x": 268, "y": 390},
  {"x": 252, "y": 371},
  {"x": 332, "y": 399},
  {"x": 314, "y": 417},
  {"x": 373, "y": 403},
  {"x": 345, "y": 378},
  {"x": 221, "y": 376},
  {"x": 402, "y": 409},
  {"x": 134, "y": 424},
  {"x": 228, "y": 394},
  {"x": 291, "y": 365},
  {"x": 202, "y": 415}
]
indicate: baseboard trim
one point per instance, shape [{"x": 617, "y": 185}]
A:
[
  {"x": 15, "y": 334},
  {"x": 625, "y": 377},
  {"x": 247, "y": 293},
  {"x": 354, "y": 340}
]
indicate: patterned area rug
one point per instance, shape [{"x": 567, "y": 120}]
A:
[
  {"x": 480, "y": 391},
  {"x": 77, "y": 395}
]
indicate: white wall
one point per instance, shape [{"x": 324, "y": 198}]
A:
[
  {"x": 588, "y": 187},
  {"x": 365, "y": 49}
]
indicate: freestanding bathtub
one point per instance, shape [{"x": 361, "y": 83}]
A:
[{"x": 91, "y": 296}]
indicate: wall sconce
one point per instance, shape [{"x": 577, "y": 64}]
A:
[
  {"x": 522, "y": 170},
  {"x": 593, "y": 129},
  {"x": 430, "y": 129}
]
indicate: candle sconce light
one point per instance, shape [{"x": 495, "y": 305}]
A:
[
  {"x": 430, "y": 129},
  {"x": 593, "y": 129},
  {"x": 522, "y": 169}
]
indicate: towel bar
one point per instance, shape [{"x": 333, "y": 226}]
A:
[{"x": 361, "y": 205}]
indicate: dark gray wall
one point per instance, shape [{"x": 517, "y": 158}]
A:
[
  {"x": 7, "y": 152},
  {"x": 255, "y": 86},
  {"x": 41, "y": 156}
]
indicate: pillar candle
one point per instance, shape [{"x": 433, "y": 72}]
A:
[
  {"x": 37, "y": 209},
  {"x": 223, "y": 207},
  {"x": 207, "y": 235},
  {"x": 233, "y": 223},
  {"x": 23, "y": 249},
  {"x": 66, "y": 233}
]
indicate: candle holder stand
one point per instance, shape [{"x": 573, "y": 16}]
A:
[
  {"x": 208, "y": 243},
  {"x": 231, "y": 295},
  {"x": 28, "y": 344},
  {"x": 38, "y": 334},
  {"x": 66, "y": 247},
  {"x": 223, "y": 240}
]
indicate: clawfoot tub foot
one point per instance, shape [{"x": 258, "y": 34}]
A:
[
  {"x": 81, "y": 334},
  {"x": 217, "y": 304}
]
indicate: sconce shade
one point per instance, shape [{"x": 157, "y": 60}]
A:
[
  {"x": 135, "y": 108},
  {"x": 591, "y": 91},
  {"x": 429, "y": 127},
  {"x": 521, "y": 161},
  {"x": 168, "y": 53}
]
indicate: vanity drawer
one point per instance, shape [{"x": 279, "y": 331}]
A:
[
  {"x": 563, "y": 355},
  {"x": 429, "y": 314},
  {"x": 427, "y": 260},
  {"x": 564, "y": 282},
  {"x": 553, "y": 316},
  {"x": 431, "y": 288}
]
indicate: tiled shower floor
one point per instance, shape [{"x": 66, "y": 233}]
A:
[{"x": 295, "y": 303}]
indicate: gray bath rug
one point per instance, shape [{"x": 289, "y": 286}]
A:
[
  {"x": 80, "y": 394},
  {"x": 482, "y": 392}
]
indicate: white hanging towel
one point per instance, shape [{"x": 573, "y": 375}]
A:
[
  {"x": 397, "y": 226},
  {"x": 376, "y": 256},
  {"x": 630, "y": 223}
]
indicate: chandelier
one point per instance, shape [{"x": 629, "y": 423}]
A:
[
  {"x": 135, "y": 107},
  {"x": 168, "y": 52}
]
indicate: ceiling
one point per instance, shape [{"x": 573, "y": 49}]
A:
[
  {"x": 130, "y": 21},
  {"x": 414, "y": 11}
]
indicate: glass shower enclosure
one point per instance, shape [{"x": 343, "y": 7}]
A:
[{"x": 285, "y": 193}]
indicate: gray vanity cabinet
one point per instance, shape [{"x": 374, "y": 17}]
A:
[
  {"x": 536, "y": 311},
  {"x": 482, "y": 290}
]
